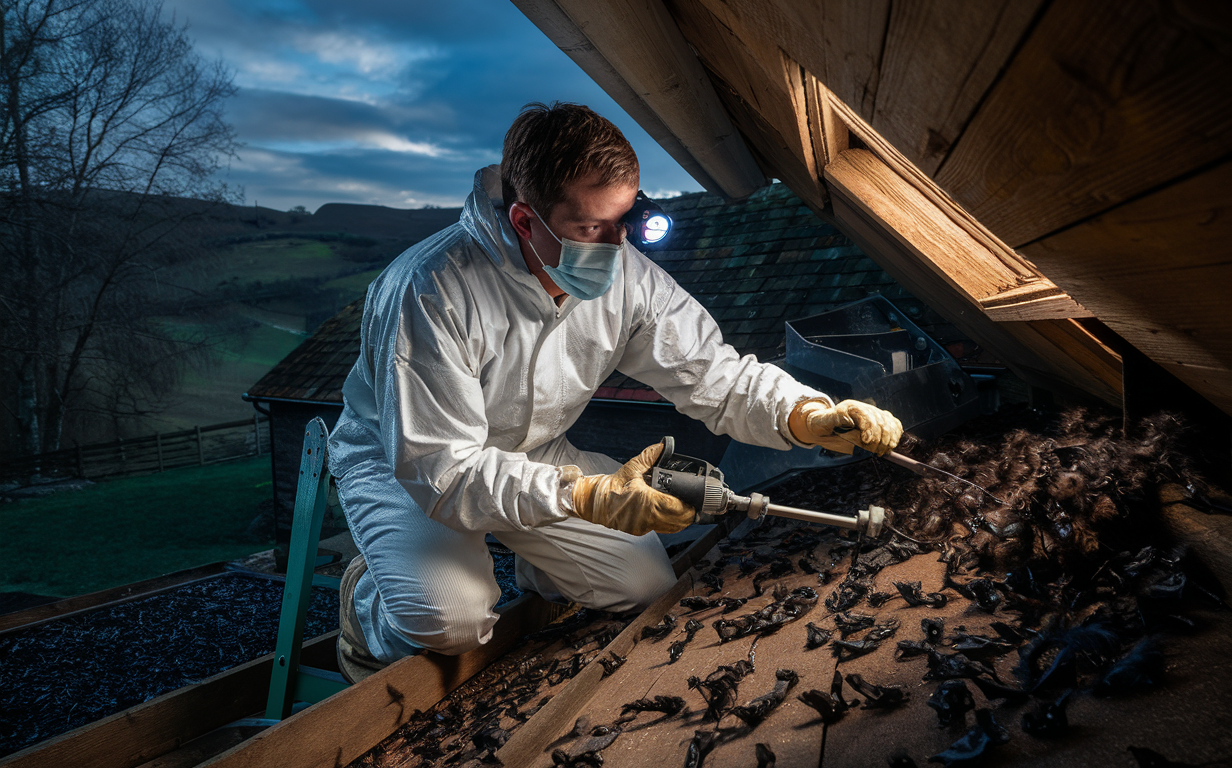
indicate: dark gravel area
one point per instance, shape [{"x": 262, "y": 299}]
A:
[{"x": 67, "y": 673}]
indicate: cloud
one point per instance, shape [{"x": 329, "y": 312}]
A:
[{"x": 392, "y": 103}]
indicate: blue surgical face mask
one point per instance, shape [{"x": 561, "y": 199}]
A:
[{"x": 586, "y": 270}]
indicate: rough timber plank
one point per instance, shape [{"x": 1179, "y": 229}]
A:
[
  {"x": 1158, "y": 271},
  {"x": 1030, "y": 303},
  {"x": 793, "y": 731},
  {"x": 838, "y": 41},
  {"x": 900, "y": 230},
  {"x": 530, "y": 740},
  {"x": 939, "y": 61},
  {"x": 150, "y": 730},
  {"x": 963, "y": 262},
  {"x": 1012, "y": 263},
  {"x": 830, "y": 134},
  {"x": 854, "y": 38},
  {"x": 1185, "y": 719},
  {"x": 1103, "y": 102},
  {"x": 71, "y": 606},
  {"x": 371, "y": 710},
  {"x": 867, "y": 737},
  {"x": 1208, "y": 536}
]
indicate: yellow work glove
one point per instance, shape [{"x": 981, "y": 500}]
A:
[
  {"x": 877, "y": 431},
  {"x": 625, "y": 502}
]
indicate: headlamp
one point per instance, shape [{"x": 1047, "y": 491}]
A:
[{"x": 646, "y": 222}]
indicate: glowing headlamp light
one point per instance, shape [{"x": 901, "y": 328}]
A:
[{"x": 646, "y": 222}]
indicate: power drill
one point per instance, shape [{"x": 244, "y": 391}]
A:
[{"x": 701, "y": 485}]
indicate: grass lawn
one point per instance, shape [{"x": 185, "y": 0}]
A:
[{"x": 120, "y": 531}]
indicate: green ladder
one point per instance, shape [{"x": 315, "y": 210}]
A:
[{"x": 290, "y": 681}]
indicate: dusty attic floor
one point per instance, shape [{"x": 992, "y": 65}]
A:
[{"x": 1123, "y": 636}]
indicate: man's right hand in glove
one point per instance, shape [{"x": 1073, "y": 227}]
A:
[
  {"x": 815, "y": 423},
  {"x": 625, "y": 502}
]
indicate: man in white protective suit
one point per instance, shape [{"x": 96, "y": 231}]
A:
[{"x": 480, "y": 346}]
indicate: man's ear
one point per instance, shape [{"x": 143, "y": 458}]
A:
[{"x": 520, "y": 216}]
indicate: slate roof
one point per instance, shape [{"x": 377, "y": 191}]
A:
[{"x": 753, "y": 264}]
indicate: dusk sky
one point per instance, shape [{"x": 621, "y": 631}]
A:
[{"x": 385, "y": 102}]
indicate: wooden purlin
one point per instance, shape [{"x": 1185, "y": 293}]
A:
[
  {"x": 909, "y": 237},
  {"x": 1103, "y": 102},
  {"x": 763, "y": 93},
  {"x": 641, "y": 43}
]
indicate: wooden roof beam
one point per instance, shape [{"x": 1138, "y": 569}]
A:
[{"x": 635, "y": 52}]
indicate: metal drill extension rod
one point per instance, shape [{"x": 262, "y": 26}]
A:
[{"x": 701, "y": 485}]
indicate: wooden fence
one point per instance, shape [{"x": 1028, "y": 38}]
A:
[{"x": 153, "y": 453}]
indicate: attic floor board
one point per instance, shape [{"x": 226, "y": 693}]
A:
[
  {"x": 1185, "y": 719},
  {"x": 793, "y": 730}
]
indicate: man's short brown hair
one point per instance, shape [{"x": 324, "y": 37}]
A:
[{"x": 548, "y": 147}]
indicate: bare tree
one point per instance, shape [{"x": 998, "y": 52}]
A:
[{"x": 110, "y": 127}]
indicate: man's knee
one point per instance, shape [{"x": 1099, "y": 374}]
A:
[
  {"x": 639, "y": 588},
  {"x": 451, "y": 629},
  {"x": 654, "y": 582}
]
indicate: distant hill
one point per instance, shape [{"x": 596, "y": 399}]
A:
[
  {"x": 270, "y": 277},
  {"x": 379, "y": 222},
  {"x": 405, "y": 225}
]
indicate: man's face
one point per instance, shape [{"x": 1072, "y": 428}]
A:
[{"x": 589, "y": 213}]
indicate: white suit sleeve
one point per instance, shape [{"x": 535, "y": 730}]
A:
[
  {"x": 438, "y": 433},
  {"x": 676, "y": 347}
]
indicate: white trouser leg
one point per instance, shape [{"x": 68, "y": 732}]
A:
[
  {"x": 586, "y": 563},
  {"x": 427, "y": 585}
]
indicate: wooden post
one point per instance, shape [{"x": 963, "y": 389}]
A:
[
  {"x": 256, "y": 431},
  {"x": 81, "y": 464},
  {"x": 158, "y": 442},
  {"x": 200, "y": 449},
  {"x": 123, "y": 456}
]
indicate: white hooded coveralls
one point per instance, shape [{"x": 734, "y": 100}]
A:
[{"x": 454, "y": 420}]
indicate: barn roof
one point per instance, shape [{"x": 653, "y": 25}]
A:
[{"x": 753, "y": 264}]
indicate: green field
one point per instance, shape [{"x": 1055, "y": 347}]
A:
[
  {"x": 288, "y": 258},
  {"x": 249, "y": 338},
  {"x": 125, "y": 530}
]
